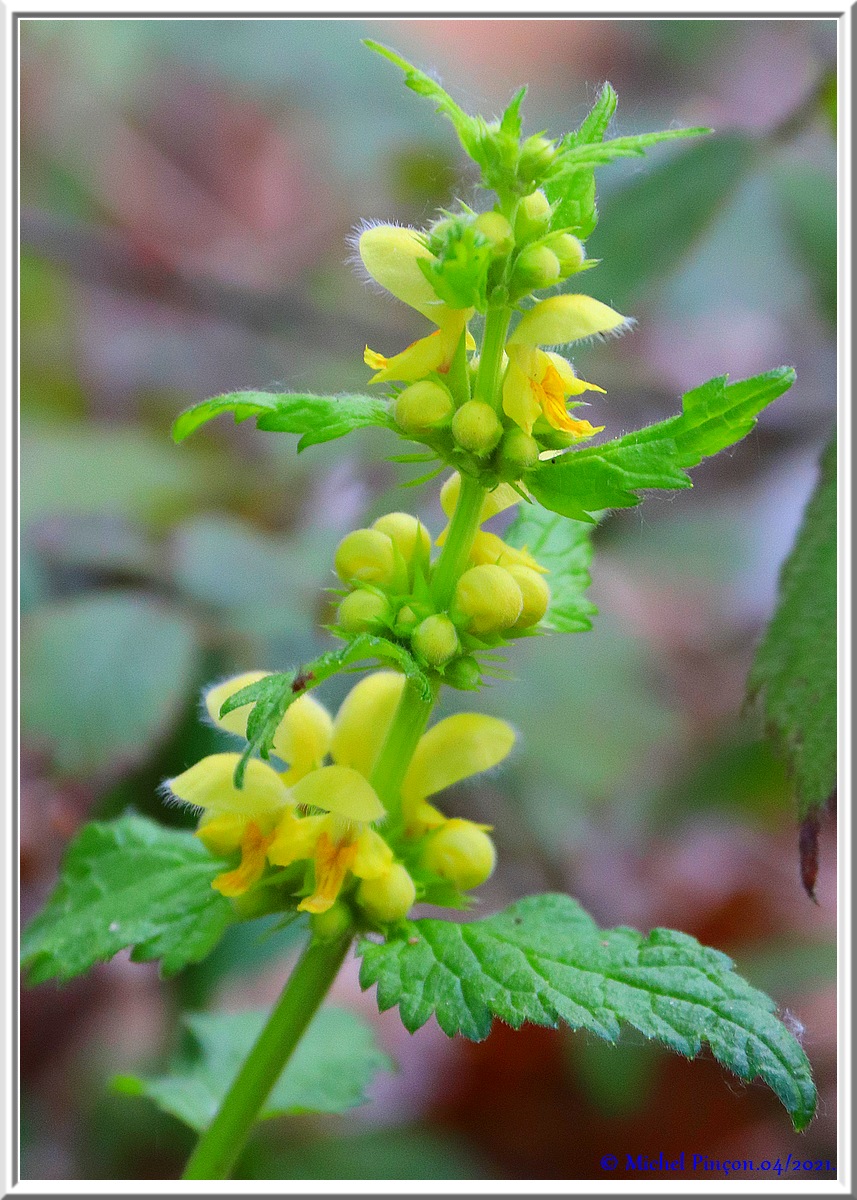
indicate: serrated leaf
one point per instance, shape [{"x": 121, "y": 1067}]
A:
[
  {"x": 596, "y": 122},
  {"x": 316, "y": 418},
  {"x": 129, "y": 882},
  {"x": 544, "y": 960},
  {"x": 596, "y": 154},
  {"x": 469, "y": 129},
  {"x": 714, "y": 416},
  {"x": 510, "y": 122},
  {"x": 651, "y": 223},
  {"x": 329, "y": 1072},
  {"x": 794, "y": 671},
  {"x": 564, "y": 547},
  {"x": 102, "y": 678},
  {"x": 272, "y": 695}
]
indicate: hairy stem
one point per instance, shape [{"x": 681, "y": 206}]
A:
[
  {"x": 491, "y": 356},
  {"x": 408, "y": 726},
  {"x": 307, "y": 986},
  {"x": 459, "y": 541}
]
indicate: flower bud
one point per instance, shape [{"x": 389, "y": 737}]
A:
[
  {"x": 406, "y": 621},
  {"x": 388, "y": 897},
  {"x": 435, "y": 640},
  {"x": 569, "y": 251},
  {"x": 561, "y": 319},
  {"x": 489, "y": 598},
  {"x": 537, "y": 154},
  {"x": 518, "y": 452},
  {"x": 477, "y": 427},
  {"x": 536, "y": 595},
  {"x": 422, "y": 407},
  {"x": 461, "y": 852},
  {"x": 363, "y": 612},
  {"x": 331, "y": 924},
  {"x": 365, "y": 556},
  {"x": 536, "y": 267},
  {"x": 463, "y": 674},
  {"x": 533, "y": 217},
  {"x": 408, "y": 535},
  {"x": 498, "y": 231}
]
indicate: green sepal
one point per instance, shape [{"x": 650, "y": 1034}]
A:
[
  {"x": 458, "y": 272},
  {"x": 128, "y": 883},
  {"x": 329, "y": 1072},
  {"x": 544, "y": 960},
  {"x": 316, "y": 418},
  {"x": 610, "y": 475}
]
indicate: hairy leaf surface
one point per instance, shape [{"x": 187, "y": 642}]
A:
[
  {"x": 316, "y": 418},
  {"x": 715, "y": 415},
  {"x": 544, "y": 960},
  {"x": 129, "y": 882}
]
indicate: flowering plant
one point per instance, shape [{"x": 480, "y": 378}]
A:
[{"x": 342, "y": 818}]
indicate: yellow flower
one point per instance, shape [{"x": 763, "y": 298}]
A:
[
  {"x": 488, "y": 548},
  {"x": 538, "y": 381},
  {"x": 391, "y": 255}
]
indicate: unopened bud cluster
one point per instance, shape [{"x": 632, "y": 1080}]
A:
[{"x": 388, "y": 571}]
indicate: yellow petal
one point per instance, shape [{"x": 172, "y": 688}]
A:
[
  {"x": 572, "y": 384},
  {"x": 251, "y": 868},
  {"x": 561, "y": 319},
  {"x": 209, "y": 784},
  {"x": 221, "y": 833},
  {"x": 501, "y": 498},
  {"x": 422, "y": 817},
  {"x": 333, "y": 861},
  {"x": 363, "y": 720},
  {"x": 373, "y": 856},
  {"x": 413, "y": 363},
  {"x": 454, "y": 749},
  {"x": 235, "y": 721},
  {"x": 295, "y": 838},
  {"x": 391, "y": 255},
  {"x": 520, "y": 402},
  {"x": 489, "y": 548},
  {"x": 339, "y": 790},
  {"x": 303, "y": 737}
]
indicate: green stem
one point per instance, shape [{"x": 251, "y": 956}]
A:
[
  {"x": 491, "y": 356},
  {"x": 459, "y": 541},
  {"x": 308, "y": 984},
  {"x": 407, "y": 727}
]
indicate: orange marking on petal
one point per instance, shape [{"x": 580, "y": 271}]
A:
[
  {"x": 333, "y": 861},
  {"x": 254, "y": 848}
]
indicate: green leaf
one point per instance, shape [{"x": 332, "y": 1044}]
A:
[
  {"x": 794, "y": 671},
  {"x": 714, "y": 416},
  {"x": 103, "y": 677},
  {"x": 573, "y": 194},
  {"x": 316, "y": 418},
  {"x": 565, "y": 548},
  {"x": 544, "y": 960},
  {"x": 469, "y": 129},
  {"x": 272, "y": 695},
  {"x": 594, "y": 125},
  {"x": 596, "y": 154},
  {"x": 129, "y": 882},
  {"x": 651, "y": 223},
  {"x": 328, "y": 1073}
]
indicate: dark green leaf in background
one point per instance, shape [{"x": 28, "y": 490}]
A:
[
  {"x": 565, "y": 548},
  {"x": 129, "y": 882},
  {"x": 794, "y": 671},
  {"x": 544, "y": 960},
  {"x": 329, "y": 1072},
  {"x": 103, "y": 677},
  {"x": 807, "y": 199},
  {"x": 714, "y": 416},
  {"x": 651, "y": 223},
  {"x": 316, "y": 418}
]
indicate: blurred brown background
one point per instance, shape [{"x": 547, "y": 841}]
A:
[{"x": 188, "y": 190}]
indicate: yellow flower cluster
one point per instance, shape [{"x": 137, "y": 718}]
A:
[
  {"x": 328, "y": 816},
  {"x": 537, "y": 383}
]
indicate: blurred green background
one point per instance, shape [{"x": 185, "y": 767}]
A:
[{"x": 188, "y": 192}]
